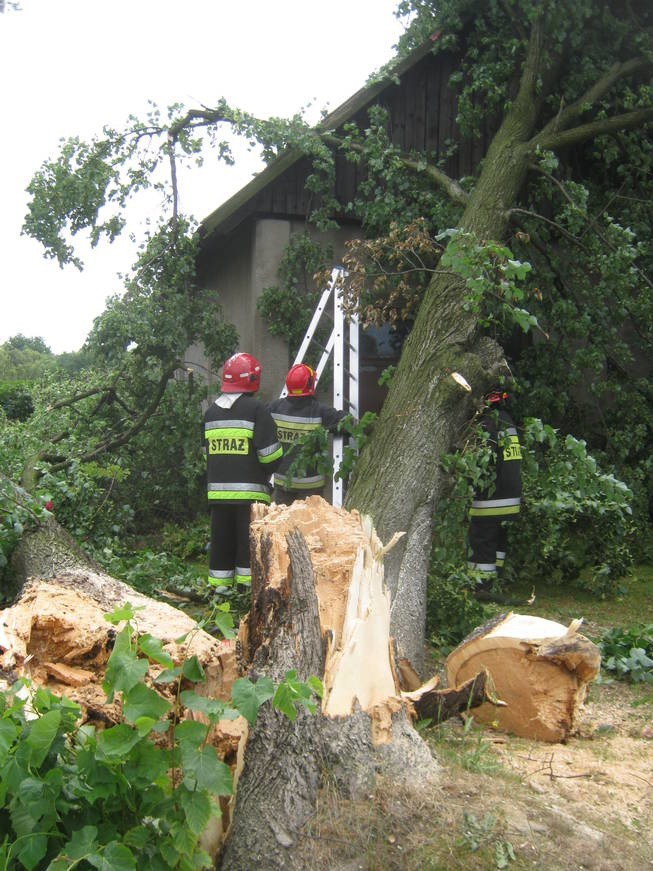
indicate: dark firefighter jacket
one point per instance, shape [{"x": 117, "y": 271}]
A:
[
  {"x": 503, "y": 499},
  {"x": 242, "y": 450},
  {"x": 295, "y": 417}
]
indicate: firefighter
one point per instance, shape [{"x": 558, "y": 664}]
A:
[
  {"x": 296, "y": 415},
  {"x": 242, "y": 451},
  {"x": 499, "y": 503}
]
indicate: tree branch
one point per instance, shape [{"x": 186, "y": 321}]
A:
[
  {"x": 447, "y": 184},
  {"x": 548, "y": 136},
  {"x": 133, "y": 430},
  {"x": 559, "y": 229},
  {"x": 567, "y": 115},
  {"x": 526, "y": 104},
  {"x": 551, "y": 141}
]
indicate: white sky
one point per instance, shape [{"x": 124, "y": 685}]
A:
[{"x": 70, "y": 66}]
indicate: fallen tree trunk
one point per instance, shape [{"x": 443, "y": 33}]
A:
[{"x": 540, "y": 670}]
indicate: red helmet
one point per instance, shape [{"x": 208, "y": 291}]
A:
[
  {"x": 241, "y": 374},
  {"x": 494, "y": 397},
  {"x": 300, "y": 380}
]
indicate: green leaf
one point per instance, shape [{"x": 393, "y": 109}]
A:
[
  {"x": 168, "y": 675},
  {"x": 141, "y": 701},
  {"x": 283, "y": 701},
  {"x": 193, "y": 670},
  {"x": 117, "y": 741},
  {"x": 153, "y": 649},
  {"x": 203, "y": 770},
  {"x": 124, "y": 612},
  {"x": 115, "y": 857},
  {"x": 32, "y": 849},
  {"x": 191, "y": 732},
  {"x": 124, "y": 670},
  {"x": 316, "y": 685},
  {"x": 197, "y": 807},
  {"x": 136, "y": 837},
  {"x": 9, "y": 731},
  {"x": 225, "y": 623},
  {"x": 247, "y": 697},
  {"x": 41, "y": 734},
  {"x": 212, "y": 708},
  {"x": 83, "y": 841}
]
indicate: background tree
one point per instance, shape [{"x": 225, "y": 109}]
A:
[{"x": 568, "y": 89}]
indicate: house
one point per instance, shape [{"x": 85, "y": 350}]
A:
[{"x": 243, "y": 240}]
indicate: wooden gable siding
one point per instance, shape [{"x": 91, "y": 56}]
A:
[{"x": 421, "y": 117}]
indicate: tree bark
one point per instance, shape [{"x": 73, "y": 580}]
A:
[
  {"x": 315, "y": 607},
  {"x": 425, "y": 411}
]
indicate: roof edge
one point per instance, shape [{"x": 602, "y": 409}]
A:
[{"x": 330, "y": 122}]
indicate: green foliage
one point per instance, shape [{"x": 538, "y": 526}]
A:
[
  {"x": 24, "y": 362},
  {"x": 137, "y": 794},
  {"x": 576, "y": 521},
  {"x": 479, "y": 833},
  {"x": 16, "y": 400},
  {"x": 356, "y": 434},
  {"x": 289, "y": 306},
  {"x": 118, "y": 442},
  {"x": 452, "y": 612},
  {"x": 628, "y": 653},
  {"x": 144, "y": 569},
  {"x": 292, "y": 695},
  {"x": 16, "y": 516},
  {"x": 117, "y": 445},
  {"x": 19, "y": 342},
  {"x": 574, "y": 527},
  {"x": 494, "y": 280},
  {"x": 311, "y": 451}
]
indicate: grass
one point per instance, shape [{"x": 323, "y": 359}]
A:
[{"x": 633, "y": 607}]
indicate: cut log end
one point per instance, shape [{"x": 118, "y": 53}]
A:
[{"x": 540, "y": 670}]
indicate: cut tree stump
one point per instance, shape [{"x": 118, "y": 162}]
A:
[
  {"x": 539, "y": 669},
  {"x": 320, "y": 607}
]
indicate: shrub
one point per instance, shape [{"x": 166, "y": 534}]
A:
[
  {"x": 16, "y": 399},
  {"x": 134, "y": 795},
  {"x": 628, "y": 653}
]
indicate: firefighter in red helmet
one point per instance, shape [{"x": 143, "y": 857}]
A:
[
  {"x": 492, "y": 508},
  {"x": 295, "y": 415},
  {"x": 242, "y": 451}
]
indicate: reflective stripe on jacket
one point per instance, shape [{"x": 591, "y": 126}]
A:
[
  {"x": 242, "y": 451},
  {"x": 295, "y": 417},
  {"x": 504, "y": 498}
]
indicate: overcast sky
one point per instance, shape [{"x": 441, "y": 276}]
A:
[{"x": 70, "y": 66}]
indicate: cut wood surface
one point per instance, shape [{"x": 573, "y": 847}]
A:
[
  {"x": 55, "y": 633},
  {"x": 539, "y": 668}
]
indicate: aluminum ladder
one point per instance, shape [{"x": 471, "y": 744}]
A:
[{"x": 343, "y": 342}]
